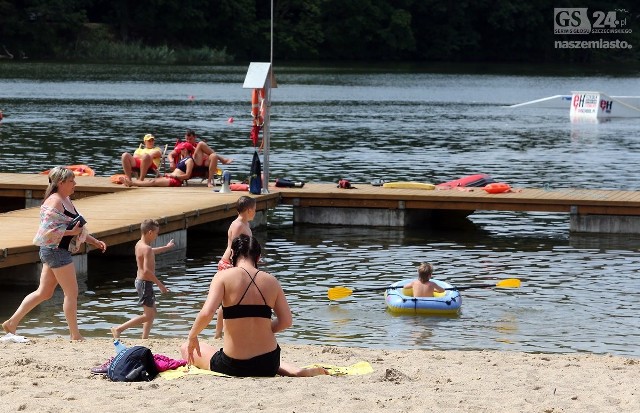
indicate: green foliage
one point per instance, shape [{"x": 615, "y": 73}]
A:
[
  {"x": 360, "y": 30},
  {"x": 234, "y": 25},
  {"x": 106, "y": 51},
  {"x": 203, "y": 55},
  {"x": 298, "y": 33}
]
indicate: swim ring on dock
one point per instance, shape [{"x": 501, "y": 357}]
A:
[
  {"x": 78, "y": 170},
  {"x": 497, "y": 188}
]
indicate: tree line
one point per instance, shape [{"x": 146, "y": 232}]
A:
[{"x": 321, "y": 30}]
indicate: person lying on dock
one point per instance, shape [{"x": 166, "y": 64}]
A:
[
  {"x": 183, "y": 171},
  {"x": 205, "y": 158},
  {"x": 144, "y": 158},
  {"x": 423, "y": 287}
]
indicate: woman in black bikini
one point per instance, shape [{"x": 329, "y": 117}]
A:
[{"x": 248, "y": 297}]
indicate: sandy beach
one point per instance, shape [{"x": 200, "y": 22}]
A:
[{"x": 53, "y": 375}]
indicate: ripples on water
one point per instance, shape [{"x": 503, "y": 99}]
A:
[{"x": 579, "y": 293}]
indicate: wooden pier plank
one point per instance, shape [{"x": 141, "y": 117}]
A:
[{"x": 114, "y": 212}]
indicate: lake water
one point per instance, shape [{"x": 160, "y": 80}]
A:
[{"x": 580, "y": 293}]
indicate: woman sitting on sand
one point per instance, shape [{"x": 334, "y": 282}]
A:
[
  {"x": 248, "y": 296},
  {"x": 183, "y": 170}
]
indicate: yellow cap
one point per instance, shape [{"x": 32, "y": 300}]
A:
[{"x": 149, "y": 136}]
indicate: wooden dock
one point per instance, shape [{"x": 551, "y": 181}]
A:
[
  {"x": 582, "y": 201},
  {"x": 114, "y": 213},
  {"x": 589, "y": 210}
]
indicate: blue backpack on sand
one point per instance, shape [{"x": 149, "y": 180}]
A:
[{"x": 133, "y": 364}]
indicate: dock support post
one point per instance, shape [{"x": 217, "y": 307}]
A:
[
  {"x": 28, "y": 275},
  {"x": 376, "y": 217},
  {"x": 603, "y": 224}
]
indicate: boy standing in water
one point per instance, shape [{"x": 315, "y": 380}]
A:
[
  {"x": 246, "y": 208},
  {"x": 423, "y": 287},
  {"x": 145, "y": 278}
]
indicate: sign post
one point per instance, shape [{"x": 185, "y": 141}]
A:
[{"x": 259, "y": 76}]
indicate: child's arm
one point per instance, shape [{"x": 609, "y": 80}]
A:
[
  {"x": 160, "y": 250},
  {"x": 160, "y": 285},
  {"x": 436, "y": 287},
  {"x": 409, "y": 285},
  {"x": 233, "y": 232}
]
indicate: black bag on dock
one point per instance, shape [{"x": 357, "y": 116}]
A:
[{"x": 255, "y": 179}]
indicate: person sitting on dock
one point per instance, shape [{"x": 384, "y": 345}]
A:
[
  {"x": 205, "y": 158},
  {"x": 144, "y": 159},
  {"x": 181, "y": 173},
  {"x": 423, "y": 287}
]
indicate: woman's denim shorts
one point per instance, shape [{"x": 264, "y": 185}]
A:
[{"x": 55, "y": 257}]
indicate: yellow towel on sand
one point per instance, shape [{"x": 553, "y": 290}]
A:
[
  {"x": 357, "y": 369},
  {"x": 188, "y": 371}
]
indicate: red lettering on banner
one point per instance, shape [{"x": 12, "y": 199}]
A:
[{"x": 576, "y": 100}]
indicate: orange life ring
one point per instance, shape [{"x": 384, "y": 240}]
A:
[
  {"x": 497, "y": 188},
  {"x": 117, "y": 179},
  {"x": 239, "y": 187},
  {"x": 78, "y": 170},
  {"x": 257, "y": 106}
]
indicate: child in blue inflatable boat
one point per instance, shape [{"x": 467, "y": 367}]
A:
[{"x": 423, "y": 287}]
